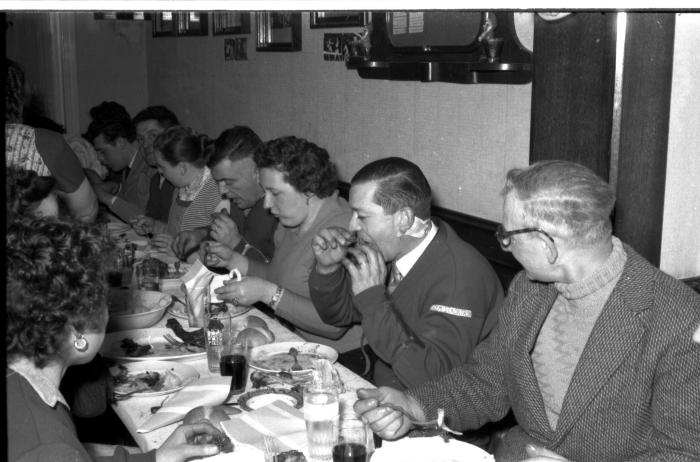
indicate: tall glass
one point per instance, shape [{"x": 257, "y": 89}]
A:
[
  {"x": 217, "y": 332},
  {"x": 354, "y": 437},
  {"x": 321, "y": 410}
]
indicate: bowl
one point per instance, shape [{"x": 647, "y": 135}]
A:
[{"x": 136, "y": 309}]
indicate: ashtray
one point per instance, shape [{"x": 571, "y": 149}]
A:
[{"x": 259, "y": 398}]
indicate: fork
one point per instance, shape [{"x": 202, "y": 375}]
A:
[
  {"x": 172, "y": 340},
  {"x": 271, "y": 448},
  {"x": 437, "y": 424}
]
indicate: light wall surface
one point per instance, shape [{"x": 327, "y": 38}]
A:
[
  {"x": 680, "y": 242},
  {"x": 464, "y": 137}
]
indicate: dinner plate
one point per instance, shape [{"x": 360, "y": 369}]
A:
[
  {"x": 179, "y": 310},
  {"x": 275, "y": 357},
  {"x": 430, "y": 449},
  {"x": 161, "y": 349},
  {"x": 259, "y": 398},
  {"x": 181, "y": 376}
]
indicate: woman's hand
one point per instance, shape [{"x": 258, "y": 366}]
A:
[
  {"x": 143, "y": 225},
  {"x": 246, "y": 291},
  {"x": 179, "y": 446},
  {"x": 224, "y": 230},
  {"x": 187, "y": 242}
]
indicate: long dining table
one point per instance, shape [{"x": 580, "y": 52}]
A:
[{"x": 136, "y": 410}]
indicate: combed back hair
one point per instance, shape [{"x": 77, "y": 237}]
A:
[
  {"x": 400, "y": 183},
  {"x": 14, "y": 92},
  {"x": 112, "y": 121},
  {"x": 182, "y": 144},
  {"x": 234, "y": 144},
  {"x": 306, "y": 166},
  {"x": 161, "y": 114},
  {"x": 24, "y": 191},
  {"x": 55, "y": 280},
  {"x": 561, "y": 193}
]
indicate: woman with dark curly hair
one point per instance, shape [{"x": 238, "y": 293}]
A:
[
  {"x": 181, "y": 157},
  {"x": 300, "y": 184},
  {"x": 56, "y": 318}
]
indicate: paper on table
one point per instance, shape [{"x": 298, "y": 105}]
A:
[
  {"x": 209, "y": 391},
  {"x": 278, "y": 419}
]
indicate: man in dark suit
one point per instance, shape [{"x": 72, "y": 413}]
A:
[
  {"x": 593, "y": 349},
  {"x": 249, "y": 228}
]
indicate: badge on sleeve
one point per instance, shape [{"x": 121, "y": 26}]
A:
[{"x": 462, "y": 312}]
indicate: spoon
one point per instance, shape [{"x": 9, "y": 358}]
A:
[{"x": 296, "y": 366}]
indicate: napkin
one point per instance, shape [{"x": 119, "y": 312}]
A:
[
  {"x": 208, "y": 391},
  {"x": 196, "y": 282},
  {"x": 278, "y": 419}
]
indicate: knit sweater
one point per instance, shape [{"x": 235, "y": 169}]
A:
[{"x": 567, "y": 328}]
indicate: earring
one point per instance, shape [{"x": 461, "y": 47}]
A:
[{"x": 80, "y": 343}]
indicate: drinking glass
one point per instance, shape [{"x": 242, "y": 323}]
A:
[
  {"x": 353, "y": 440},
  {"x": 321, "y": 416},
  {"x": 148, "y": 275},
  {"x": 234, "y": 363},
  {"x": 217, "y": 332}
]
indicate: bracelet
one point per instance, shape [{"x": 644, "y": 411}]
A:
[{"x": 276, "y": 297}]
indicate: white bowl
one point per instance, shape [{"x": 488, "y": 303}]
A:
[{"x": 136, "y": 309}]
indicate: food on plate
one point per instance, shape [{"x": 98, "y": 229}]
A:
[
  {"x": 284, "y": 361},
  {"x": 290, "y": 456},
  {"x": 135, "y": 350},
  {"x": 147, "y": 381},
  {"x": 252, "y": 337},
  {"x": 194, "y": 338},
  {"x": 260, "y": 379}
]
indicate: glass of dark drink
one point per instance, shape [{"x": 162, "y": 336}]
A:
[
  {"x": 235, "y": 364},
  {"x": 353, "y": 437}
]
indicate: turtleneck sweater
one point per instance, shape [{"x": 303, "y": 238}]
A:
[{"x": 567, "y": 327}]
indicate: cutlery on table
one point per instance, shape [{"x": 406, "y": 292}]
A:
[{"x": 434, "y": 425}]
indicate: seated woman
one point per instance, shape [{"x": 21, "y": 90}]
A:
[
  {"x": 300, "y": 184},
  {"x": 56, "y": 317},
  {"x": 181, "y": 159},
  {"x": 44, "y": 151}
]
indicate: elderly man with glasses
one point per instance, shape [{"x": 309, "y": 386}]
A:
[{"x": 593, "y": 350}]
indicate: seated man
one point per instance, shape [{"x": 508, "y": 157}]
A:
[
  {"x": 114, "y": 137},
  {"x": 428, "y": 318},
  {"x": 251, "y": 232},
  {"x": 592, "y": 350}
]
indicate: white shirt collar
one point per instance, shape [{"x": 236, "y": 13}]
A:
[
  {"x": 46, "y": 390},
  {"x": 405, "y": 263},
  {"x": 133, "y": 157}
]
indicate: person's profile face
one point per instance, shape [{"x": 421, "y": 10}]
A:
[
  {"x": 369, "y": 218},
  {"x": 111, "y": 154},
  {"x": 237, "y": 181},
  {"x": 282, "y": 199},
  {"x": 147, "y": 131},
  {"x": 172, "y": 173}
]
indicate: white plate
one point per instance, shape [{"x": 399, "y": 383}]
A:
[
  {"x": 187, "y": 374},
  {"x": 432, "y": 449},
  {"x": 259, "y": 398},
  {"x": 275, "y": 357},
  {"x": 161, "y": 348}
]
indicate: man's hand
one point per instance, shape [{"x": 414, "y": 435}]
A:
[
  {"x": 387, "y": 422},
  {"x": 143, "y": 225},
  {"x": 368, "y": 268},
  {"x": 541, "y": 454},
  {"x": 218, "y": 255},
  {"x": 224, "y": 229},
  {"x": 179, "y": 446},
  {"x": 330, "y": 246},
  {"x": 188, "y": 241},
  {"x": 246, "y": 291}
]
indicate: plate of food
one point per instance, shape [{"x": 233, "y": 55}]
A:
[
  {"x": 151, "y": 378},
  {"x": 151, "y": 344},
  {"x": 278, "y": 357},
  {"x": 259, "y": 398},
  {"x": 430, "y": 449}
]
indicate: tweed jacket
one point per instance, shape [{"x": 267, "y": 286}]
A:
[{"x": 634, "y": 395}]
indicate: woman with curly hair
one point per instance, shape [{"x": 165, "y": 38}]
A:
[
  {"x": 28, "y": 194},
  {"x": 300, "y": 184},
  {"x": 181, "y": 156},
  {"x": 56, "y": 318}
]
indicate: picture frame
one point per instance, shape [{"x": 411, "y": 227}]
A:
[
  {"x": 180, "y": 24},
  {"x": 230, "y": 22},
  {"x": 321, "y": 19},
  {"x": 122, "y": 15},
  {"x": 278, "y": 31}
]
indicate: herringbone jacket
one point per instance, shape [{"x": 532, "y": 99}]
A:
[{"x": 634, "y": 395}]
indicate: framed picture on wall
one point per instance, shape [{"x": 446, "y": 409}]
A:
[
  {"x": 278, "y": 31},
  {"x": 120, "y": 15},
  {"x": 233, "y": 22},
  {"x": 321, "y": 19},
  {"x": 180, "y": 24}
]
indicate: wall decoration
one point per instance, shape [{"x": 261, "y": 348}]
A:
[
  {"x": 339, "y": 47},
  {"x": 233, "y": 22},
  {"x": 321, "y": 19},
  {"x": 128, "y": 15},
  {"x": 278, "y": 31},
  {"x": 180, "y": 24},
  {"x": 229, "y": 45},
  {"x": 240, "y": 49}
]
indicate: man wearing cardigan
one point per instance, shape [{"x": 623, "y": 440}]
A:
[{"x": 593, "y": 349}]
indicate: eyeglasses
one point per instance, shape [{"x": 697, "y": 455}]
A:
[{"x": 503, "y": 236}]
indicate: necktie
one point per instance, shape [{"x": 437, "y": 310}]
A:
[{"x": 394, "y": 278}]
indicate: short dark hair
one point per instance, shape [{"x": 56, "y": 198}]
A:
[
  {"x": 181, "y": 144},
  {"x": 24, "y": 191},
  {"x": 400, "y": 183},
  {"x": 234, "y": 143},
  {"x": 54, "y": 280},
  {"x": 164, "y": 116},
  {"x": 111, "y": 120},
  {"x": 306, "y": 166}
]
